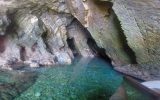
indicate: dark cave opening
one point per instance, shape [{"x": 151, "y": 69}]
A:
[
  {"x": 97, "y": 50},
  {"x": 22, "y": 53},
  {"x": 12, "y": 25},
  {"x": 2, "y": 44},
  {"x": 44, "y": 38},
  {"x": 71, "y": 44}
]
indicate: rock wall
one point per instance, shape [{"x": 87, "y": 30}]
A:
[
  {"x": 47, "y": 32},
  {"x": 128, "y": 31},
  {"x": 35, "y": 32},
  {"x": 142, "y": 31}
]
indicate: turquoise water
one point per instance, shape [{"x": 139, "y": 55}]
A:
[{"x": 85, "y": 79}]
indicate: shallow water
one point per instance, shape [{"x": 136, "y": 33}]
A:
[{"x": 85, "y": 79}]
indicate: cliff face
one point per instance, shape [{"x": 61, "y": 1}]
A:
[
  {"x": 39, "y": 32},
  {"x": 36, "y": 33}
]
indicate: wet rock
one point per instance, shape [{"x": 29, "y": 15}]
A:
[
  {"x": 12, "y": 61},
  {"x": 135, "y": 71},
  {"x": 46, "y": 63},
  {"x": 34, "y": 64},
  {"x": 63, "y": 58}
]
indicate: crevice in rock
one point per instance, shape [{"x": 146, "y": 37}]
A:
[
  {"x": 44, "y": 38},
  {"x": 22, "y": 53},
  {"x": 2, "y": 44},
  {"x": 100, "y": 52},
  {"x": 34, "y": 47},
  {"x": 12, "y": 26},
  {"x": 71, "y": 44},
  {"x": 124, "y": 41},
  {"x": 97, "y": 50},
  {"x": 103, "y": 4},
  {"x": 122, "y": 37}
]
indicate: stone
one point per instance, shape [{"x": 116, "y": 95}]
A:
[
  {"x": 46, "y": 63},
  {"x": 34, "y": 65},
  {"x": 63, "y": 58},
  {"x": 37, "y": 94}
]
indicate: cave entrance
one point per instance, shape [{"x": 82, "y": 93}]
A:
[
  {"x": 71, "y": 44},
  {"x": 100, "y": 52}
]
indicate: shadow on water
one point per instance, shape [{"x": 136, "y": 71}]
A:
[{"x": 13, "y": 83}]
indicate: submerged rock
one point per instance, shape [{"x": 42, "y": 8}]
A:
[
  {"x": 119, "y": 94},
  {"x": 13, "y": 83}
]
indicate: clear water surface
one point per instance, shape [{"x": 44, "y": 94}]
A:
[{"x": 85, "y": 79}]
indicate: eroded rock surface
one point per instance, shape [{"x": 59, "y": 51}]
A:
[
  {"x": 142, "y": 31},
  {"x": 101, "y": 22},
  {"x": 128, "y": 31},
  {"x": 35, "y": 32}
]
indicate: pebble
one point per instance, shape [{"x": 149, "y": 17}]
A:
[{"x": 37, "y": 94}]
